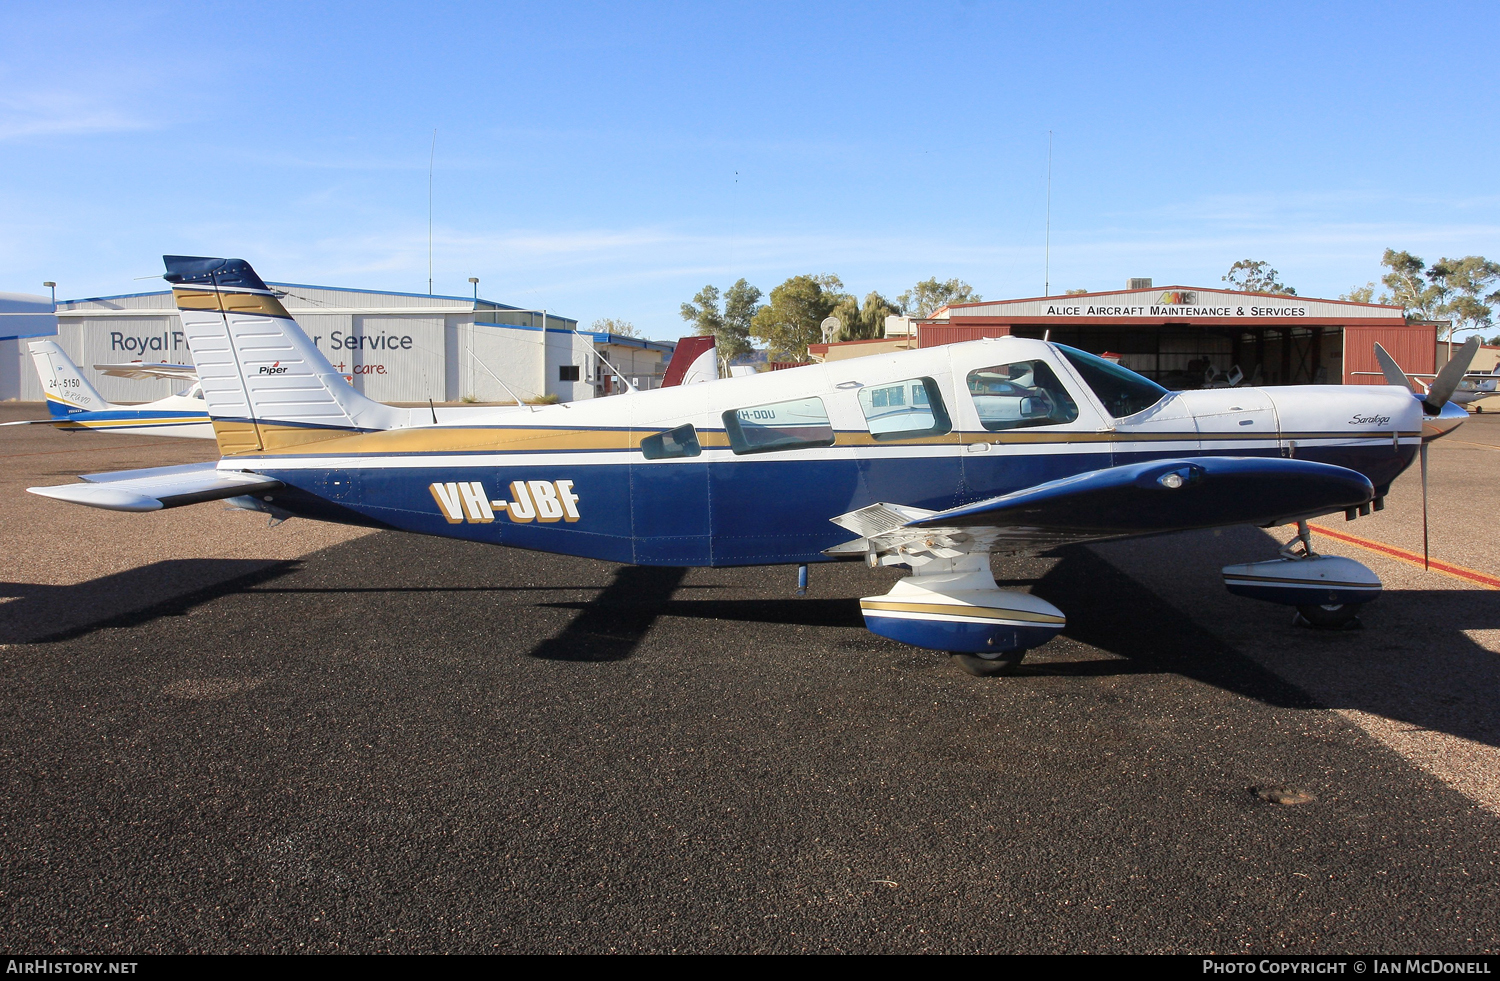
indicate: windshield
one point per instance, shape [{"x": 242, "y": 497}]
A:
[{"x": 1123, "y": 392}]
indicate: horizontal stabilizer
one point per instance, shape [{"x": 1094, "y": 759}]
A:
[
  {"x": 1154, "y": 498},
  {"x": 161, "y": 487},
  {"x": 143, "y": 370}
]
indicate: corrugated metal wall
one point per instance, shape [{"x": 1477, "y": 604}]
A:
[
  {"x": 934, "y": 335},
  {"x": 394, "y": 347},
  {"x": 1414, "y": 346}
]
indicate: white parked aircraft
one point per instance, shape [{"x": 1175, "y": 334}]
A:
[
  {"x": 931, "y": 459},
  {"x": 75, "y": 405}
]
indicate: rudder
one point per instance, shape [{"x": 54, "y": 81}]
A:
[{"x": 66, "y": 390}]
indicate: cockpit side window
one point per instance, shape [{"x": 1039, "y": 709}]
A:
[
  {"x": 1019, "y": 395},
  {"x": 1123, "y": 392}
]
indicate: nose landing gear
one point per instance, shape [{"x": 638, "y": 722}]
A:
[{"x": 1327, "y": 590}]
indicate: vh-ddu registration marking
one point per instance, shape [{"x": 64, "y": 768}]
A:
[{"x": 930, "y": 459}]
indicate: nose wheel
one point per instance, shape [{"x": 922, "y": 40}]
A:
[
  {"x": 1331, "y": 616},
  {"x": 989, "y": 665}
]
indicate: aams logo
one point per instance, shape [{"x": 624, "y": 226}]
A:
[
  {"x": 272, "y": 369},
  {"x": 530, "y": 500}
]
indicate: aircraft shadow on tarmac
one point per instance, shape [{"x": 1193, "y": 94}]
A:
[
  {"x": 1107, "y": 610},
  {"x": 1113, "y": 613},
  {"x": 38, "y": 613}
]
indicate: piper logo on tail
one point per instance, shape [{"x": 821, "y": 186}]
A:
[
  {"x": 272, "y": 369},
  {"x": 530, "y": 500}
]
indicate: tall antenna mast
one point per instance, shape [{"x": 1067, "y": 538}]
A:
[
  {"x": 431, "y": 158},
  {"x": 1047, "y": 251}
]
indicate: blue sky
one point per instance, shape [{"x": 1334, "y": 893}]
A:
[{"x": 610, "y": 159}]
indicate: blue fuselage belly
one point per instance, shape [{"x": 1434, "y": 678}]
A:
[{"x": 720, "y": 513}]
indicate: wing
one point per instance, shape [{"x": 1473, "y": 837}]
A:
[
  {"x": 1117, "y": 502},
  {"x": 159, "y": 487},
  {"x": 143, "y": 370}
]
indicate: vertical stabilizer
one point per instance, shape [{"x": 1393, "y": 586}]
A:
[
  {"x": 694, "y": 360},
  {"x": 66, "y": 389},
  {"x": 267, "y": 385}
]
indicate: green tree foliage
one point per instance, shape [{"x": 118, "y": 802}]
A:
[
  {"x": 731, "y": 327},
  {"x": 1074, "y": 292},
  {"x": 1466, "y": 288},
  {"x": 862, "y": 321},
  {"x": 1256, "y": 276},
  {"x": 793, "y": 318},
  {"x": 1408, "y": 285},
  {"x": 703, "y": 313},
  {"x": 872, "y": 316},
  {"x": 929, "y": 295},
  {"x": 609, "y": 325},
  {"x": 741, "y": 304}
]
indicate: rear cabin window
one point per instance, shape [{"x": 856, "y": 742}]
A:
[
  {"x": 1123, "y": 392},
  {"x": 904, "y": 409},
  {"x": 1019, "y": 395},
  {"x": 674, "y": 443},
  {"x": 778, "y": 426}
]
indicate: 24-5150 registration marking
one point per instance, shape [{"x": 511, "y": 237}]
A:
[{"x": 530, "y": 500}]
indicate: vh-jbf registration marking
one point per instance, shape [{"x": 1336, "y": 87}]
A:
[{"x": 530, "y": 500}]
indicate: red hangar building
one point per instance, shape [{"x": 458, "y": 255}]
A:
[{"x": 1184, "y": 337}]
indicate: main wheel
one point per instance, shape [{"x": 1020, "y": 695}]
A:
[
  {"x": 1330, "y": 616},
  {"x": 989, "y": 665}
]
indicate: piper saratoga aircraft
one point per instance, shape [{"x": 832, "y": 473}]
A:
[{"x": 930, "y": 460}]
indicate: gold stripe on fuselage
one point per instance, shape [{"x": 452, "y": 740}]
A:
[{"x": 275, "y": 438}]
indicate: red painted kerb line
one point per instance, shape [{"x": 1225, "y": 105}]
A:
[{"x": 1456, "y": 571}]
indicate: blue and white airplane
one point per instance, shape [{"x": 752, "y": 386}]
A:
[
  {"x": 930, "y": 460},
  {"x": 75, "y": 405}
]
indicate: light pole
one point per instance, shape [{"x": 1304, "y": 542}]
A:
[
  {"x": 475, "y": 281},
  {"x": 53, "y": 287}
]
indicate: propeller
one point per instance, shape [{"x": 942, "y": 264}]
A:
[
  {"x": 1392, "y": 371},
  {"x": 1426, "y": 558},
  {"x": 1446, "y": 382},
  {"x": 1438, "y": 393}
]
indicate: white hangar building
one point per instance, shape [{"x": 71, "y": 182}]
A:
[{"x": 394, "y": 347}]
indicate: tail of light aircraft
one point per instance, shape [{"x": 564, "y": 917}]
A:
[
  {"x": 267, "y": 386},
  {"x": 694, "y": 360},
  {"x": 74, "y": 405},
  {"x": 64, "y": 386}
]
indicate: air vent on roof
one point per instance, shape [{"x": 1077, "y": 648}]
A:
[{"x": 1138, "y": 283}]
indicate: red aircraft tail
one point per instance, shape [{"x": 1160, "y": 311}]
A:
[{"x": 696, "y": 359}]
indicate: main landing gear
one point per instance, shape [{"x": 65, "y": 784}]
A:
[{"x": 1327, "y": 590}]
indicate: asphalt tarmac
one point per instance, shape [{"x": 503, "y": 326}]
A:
[{"x": 392, "y": 743}]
